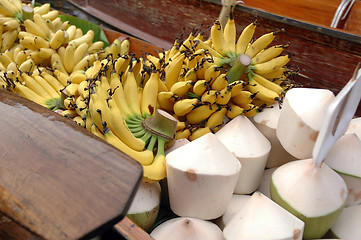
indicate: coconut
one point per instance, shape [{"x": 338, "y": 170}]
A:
[
  {"x": 316, "y": 195},
  {"x": 262, "y": 219},
  {"x": 144, "y": 208},
  {"x": 250, "y": 147},
  {"x": 201, "y": 178},
  {"x": 348, "y": 224},
  {"x": 235, "y": 205},
  {"x": 264, "y": 187},
  {"x": 182, "y": 228},
  {"x": 345, "y": 158},
  {"x": 266, "y": 122},
  {"x": 354, "y": 127},
  {"x": 301, "y": 118}
]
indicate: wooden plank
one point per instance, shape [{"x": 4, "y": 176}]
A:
[
  {"x": 58, "y": 180},
  {"x": 130, "y": 230}
]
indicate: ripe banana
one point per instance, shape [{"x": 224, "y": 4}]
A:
[
  {"x": 271, "y": 65},
  {"x": 184, "y": 106}
]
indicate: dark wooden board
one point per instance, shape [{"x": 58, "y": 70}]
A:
[{"x": 57, "y": 179}]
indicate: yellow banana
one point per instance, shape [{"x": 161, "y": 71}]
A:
[
  {"x": 199, "y": 44},
  {"x": 119, "y": 96},
  {"x": 83, "y": 89},
  {"x": 210, "y": 96},
  {"x": 78, "y": 120},
  {"x": 21, "y": 57},
  {"x": 261, "y": 92},
  {"x": 181, "y": 88},
  {"x": 260, "y": 43},
  {"x": 53, "y": 81},
  {"x": 234, "y": 110},
  {"x": 34, "y": 28},
  {"x": 237, "y": 87},
  {"x": 268, "y": 54},
  {"x": 230, "y": 36},
  {"x": 200, "y": 87},
  {"x": 46, "y": 86},
  {"x": 5, "y": 60},
  {"x": 42, "y": 9},
  {"x": 124, "y": 47},
  {"x": 185, "y": 133},
  {"x": 157, "y": 170},
  {"x": 85, "y": 63},
  {"x": 61, "y": 76},
  {"x": 267, "y": 84},
  {"x": 166, "y": 100},
  {"x": 184, "y": 106},
  {"x": 217, "y": 37},
  {"x": 46, "y": 53},
  {"x": 212, "y": 73},
  {"x": 41, "y": 42},
  {"x": 80, "y": 52},
  {"x": 278, "y": 73},
  {"x": 131, "y": 93},
  {"x": 243, "y": 98},
  {"x": 39, "y": 20},
  {"x": 150, "y": 95},
  {"x": 251, "y": 110},
  {"x": 27, "y": 66},
  {"x": 173, "y": 70},
  {"x": 31, "y": 95},
  {"x": 121, "y": 130},
  {"x": 71, "y": 90},
  {"x": 199, "y": 132},
  {"x": 87, "y": 37},
  {"x": 8, "y": 39},
  {"x": 8, "y": 8},
  {"x": 32, "y": 84},
  {"x": 220, "y": 82},
  {"x": 57, "y": 63},
  {"x": 191, "y": 74},
  {"x": 224, "y": 95},
  {"x": 81, "y": 106},
  {"x": 245, "y": 38},
  {"x": 51, "y": 15},
  {"x": 28, "y": 43},
  {"x": 57, "y": 39},
  {"x": 217, "y": 118},
  {"x": 201, "y": 113},
  {"x": 77, "y": 77},
  {"x": 95, "y": 47},
  {"x": 271, "y": 65},
  {"x": 69, "y": 57},
  {"x": 69, "y": 104},
  {"x": 70, "y": 33},
  {"x": 11, "y": 25}
]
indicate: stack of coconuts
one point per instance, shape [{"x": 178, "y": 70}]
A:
[{"x": 256, "y": 179}]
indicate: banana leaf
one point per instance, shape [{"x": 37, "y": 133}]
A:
[{"x": 85, "y": 26}]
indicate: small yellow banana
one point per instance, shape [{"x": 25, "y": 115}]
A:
[
  {"x": 201, "y": 113},
  {"x": 271, "y": 65},
  {"x": 261, "y": 92},
  {"x": 234, "y": 110},
  {"x": 87, "y": 37},
  {"x": 199, "y": 132},
  {"x": 80, "y": 52},
  {"x": 224, "y": 95},
  {"x": 40, "y": 21},
  {"x": 200, "y": 87},
  {"x": 185, "y": 133},
  {"x": 217, "y": 118},
  {"x": 220, "y": 82},
  {"x": 131, "y": 93},
  {"x": 166, "y": 100},
  {"x": 69, "y": 57},
  {"x": 209, "y": 96},
  {"x": 230, "y": 36},
  {"x": 124, "y": 47},
  {"x": 150, "y": 95},
  {"x": 85, "y": 63},
  {"x": 243, "y": 98},
  {"x": 42, "y": 9},
  {"x": 34, "y": 28},
  {"x": 11, "y": 25},
  {"x": 260, "y": 43},
  {"x": 57, "y": 39},
  {"x": 157, "y": 170},
  {"x": 269, "y": 54},
  {"x": 32, "y": 84},
  {"x": 173, "y": 70},
  {"x": 267, "y": 84},
  {"x": 217, "y": 37},
  {"x": 8, "y": 39},
  {"x": 184, "y": 106},
  {"x": 181, "y": 88}
]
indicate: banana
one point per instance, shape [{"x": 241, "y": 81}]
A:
[
  {"x": 210, "y": 96},
  {"x": 245, "y": 38},
  {"x": 184, "y": 106},
  {"x": 27, "y": 65},
  {"x": 86, "y": 38},
  {"x": 173, "y": 70},
  {"x": 78, "y": 120},
  {"x": 220, "y": 82},
  {"x": 34, "y": 28},
  {"x": 8, "y": 9},
  {"x": 71, "y": 90},
  {"x": 70, "y": 33},
  {"x": 45, "y": 53},
  {"x": 199, "y": 132},
  {"x": 39, "y": 20},
  {"x": 41, "y": 42},
  {"x": 8, "y": 39},
  {"x": 69, "y": 57},
  {"x": 278, "y": 73},
  {"x": 261, "y": 92},
  {"x": 28, "y": 43},
  {"x": 77, "y": 77},
  {"x": 46, "y": 86},
  {"x": 191, "y": 75},
  {"x": 120, "y": 129},
  {"x": 119, "y": 96},
  {"x": 95, "y": 47},
  {"x": 266, "y": 83},
  {"x": 268, "y": 54},
  {"x": 150, "y": 96},
  {"x": 260, "y": 43},
  {"x": 61, "y": 76},
  {"x": 250, "y": 110},
  {"x": 217, "y": 118},
  {"x": 201, "y": 113},
  {"x": 57, "y": 39},
  {"x": 42, "y": 9},
  {"x": 81, "y": 106},
  {"x": 271, "y": 65},
  {"x": 143, "y": 157},
  {"x": 11, "y": 25},
  {"x": 181, "y": 88},
  {"x": 53, "y": 81},
  {"x": 243, "y": 98},
  {"x": 57, "y": 63},
  {"x": 69, "y": 103},
  {"x": 202, "y": 45},
  {"x": 200, "y": 87},
  {"x": 31, "y": 95},
  {"x": 124, "y": 47},
  {"x": 5, "y": 60},
  {"x": 230, "y": 36},
  {"x": 166, "y": 100},
  {"x": 157, "y": 170},
  {"x": 212, "y": 73},
  {"x": 32, "y": 84},
  {"x": 51, "y": 15},
  {"x": 131, "y": 93},
  {"x": 21, "y": 57},
  {"x": 237, "y": 87},
  {"x": 234, "y": 110},
  {"x": 217, "y": 36},
  {"x": 185, "y": 133},
  {"x": 224, "y": 95},
  {"x": 121, "y": 64},
  {"x": 85, "y": 63},
  {"x": 80, "y": 52}
]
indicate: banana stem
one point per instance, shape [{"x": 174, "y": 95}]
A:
[
  {"x": 161, "y": 143},
  {"x": 152, "y": 142},
  {"x": 161, "y": 124},
  {"x": 239, "y": 66},
  {"x": 26, "y": 13}
]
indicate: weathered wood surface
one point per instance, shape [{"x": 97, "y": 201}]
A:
[
  {"x": 325, "y": 58},
  {"x": 57, "y": 179},
  {"x": 131, "y": 231}
]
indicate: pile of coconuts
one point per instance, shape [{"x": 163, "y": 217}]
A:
[{"x": 256, "y": 179}]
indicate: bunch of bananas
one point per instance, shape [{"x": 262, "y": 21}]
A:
[
  {"x": 215, "y": 79},
  {"x": 140, "y": 105}
]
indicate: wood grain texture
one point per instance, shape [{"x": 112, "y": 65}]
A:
[
  {"x": 130, "y": 230},
  {"x": 57, "y": 179}
]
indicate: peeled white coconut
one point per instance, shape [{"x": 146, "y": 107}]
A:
[
  {"x": 354, "y": 127},
  {"x": 163, "y": 183},
  {"x": 201, "y": 178},
  {"x": 186, "y": 228},
  {"x": 316, "y": 195},
  {"x": 262, "y": 219},
  {"x": 237, "y": 202},
  {"x": 145, "y": 206},
  {"x": 265, "y": 185},
  {"x": 345, "y": 158},
  {"x": 301, "y": 118},
  {"x": 348, "y": 224},
  {"x": 266, "y": 122},
  {"x": 250, "y": 147}
]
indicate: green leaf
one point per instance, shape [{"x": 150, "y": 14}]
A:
[{"x": 85, "y": 26}]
